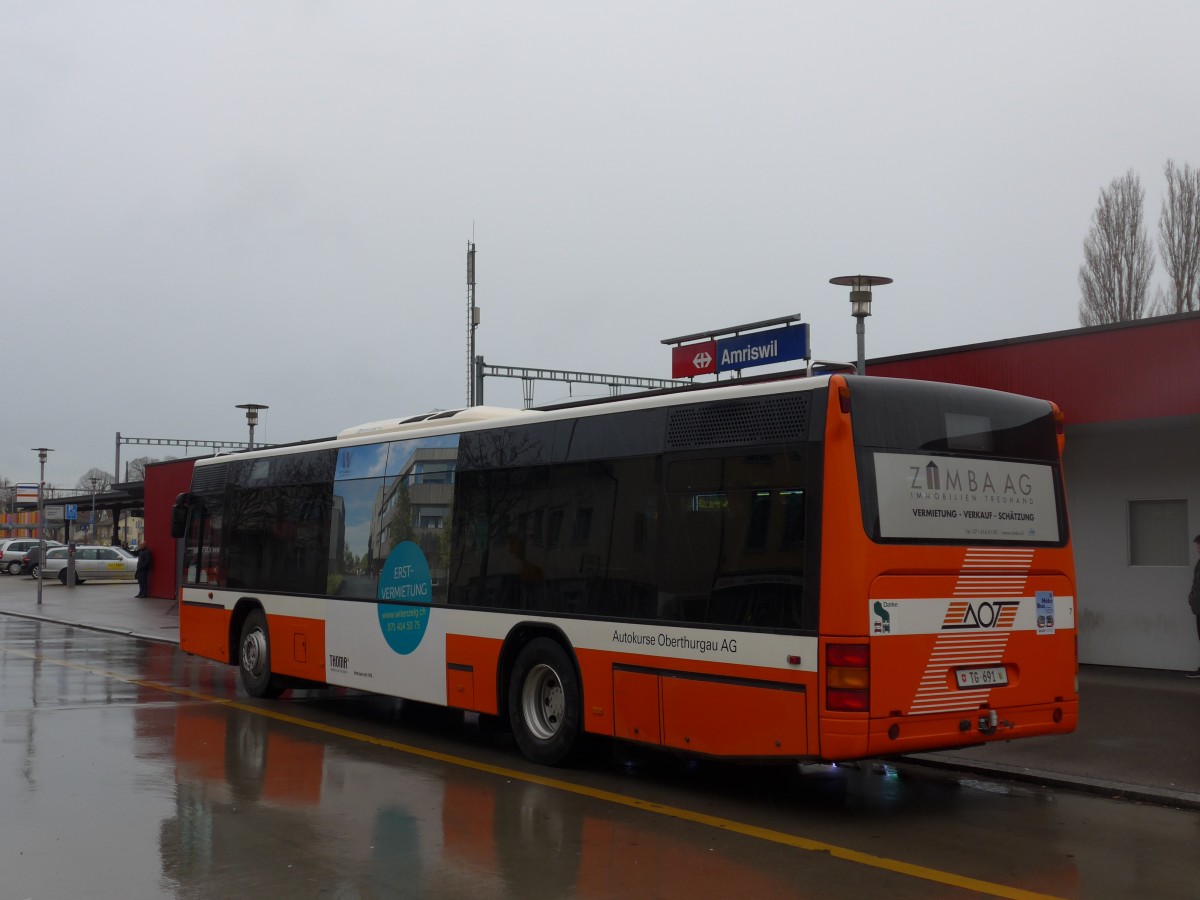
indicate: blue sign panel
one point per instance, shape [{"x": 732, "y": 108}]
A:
[
  {"x": 763, "y": 348},
  {"x": 72, "y": 512}
]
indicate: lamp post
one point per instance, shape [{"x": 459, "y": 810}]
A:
[
  {"x": 94, "y": 482},
  {"x": 252, "y": 416},
  {"x": 860, "y": 307},
  {"x": 42, "y": 452}
]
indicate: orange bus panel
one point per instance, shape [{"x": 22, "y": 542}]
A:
[
  {"x": 481, "y": 656},
  {"x": 636, "y": 710},
  {"x": 460, "y": 686},
  {"x": 755, "y": 721},
  {"x": 204, "y": 631},
  {"x": 297, "y": 647}
]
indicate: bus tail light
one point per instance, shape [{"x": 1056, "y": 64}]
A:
[
  {"x": 848, "y": 677},
  {"x": 843, "y": 393},
  {"x": 1060, "y": 424}
]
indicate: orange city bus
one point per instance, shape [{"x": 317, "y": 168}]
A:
[{"x": 829, "y": 567}]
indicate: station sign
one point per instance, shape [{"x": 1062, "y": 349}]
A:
[
  {"x": 27, "y": 494},
  {"x": 763, "y": 348},
  {"x": 741, "y": 352}
]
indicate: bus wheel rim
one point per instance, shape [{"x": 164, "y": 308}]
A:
[
  {"x": 254, "y": 651},
  {"x": 543, "y": 702}
]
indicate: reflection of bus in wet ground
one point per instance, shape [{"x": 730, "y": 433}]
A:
[
  {"x": 260, "y": 801},
  {"x": 815, "y": 568},
  {"x": 260, "y": 794}
]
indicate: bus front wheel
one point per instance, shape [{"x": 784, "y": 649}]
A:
[
  {"x": 544, "y": 703},
  {"x": 254, "y": 661}
]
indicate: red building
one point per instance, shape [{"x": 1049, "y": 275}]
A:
[{"x": 164, "y": 482}]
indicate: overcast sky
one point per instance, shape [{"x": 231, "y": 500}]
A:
[{"x": 206, "y": 204}]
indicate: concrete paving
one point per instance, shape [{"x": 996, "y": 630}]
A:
[{"x": 1138, "y": 736}]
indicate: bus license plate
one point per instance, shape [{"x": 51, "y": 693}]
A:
[{"x": 992, "y": 676}]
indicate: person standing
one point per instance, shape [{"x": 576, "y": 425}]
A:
[
  {"x": 143, "y": 569},
  {"x": 1194, "y": 598}
]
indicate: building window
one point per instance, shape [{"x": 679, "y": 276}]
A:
[
  {"x": 583, "y": 526},
  {"x": 1158, "y": 533}
]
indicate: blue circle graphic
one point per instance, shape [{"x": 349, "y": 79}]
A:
[{"x": 405, "y": 576}]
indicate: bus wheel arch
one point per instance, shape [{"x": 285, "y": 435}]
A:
[
  {"x": 252, "y": 652},
  {"x": 543, "y": 694},
  {"x": 237, "y": 619}
]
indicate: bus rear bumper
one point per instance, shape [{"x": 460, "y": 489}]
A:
[
  {"x": 912, "y": 734},
  {"x": 908, "y": 734}
]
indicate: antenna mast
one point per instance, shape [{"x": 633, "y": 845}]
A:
[{"x": 472, "y": 324}]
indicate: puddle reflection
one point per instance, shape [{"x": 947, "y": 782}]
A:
[{"x": 263, "y": 797}]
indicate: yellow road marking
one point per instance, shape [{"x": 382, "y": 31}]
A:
[{"x": 753, "y": 831}]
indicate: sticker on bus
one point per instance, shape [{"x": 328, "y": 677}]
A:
[{"x": 1045, "y": 612}]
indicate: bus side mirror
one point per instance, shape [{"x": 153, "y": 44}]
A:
[{"x": 179, "y": 516}]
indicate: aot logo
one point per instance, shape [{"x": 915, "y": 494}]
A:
[{"x": 986, "y": 614}]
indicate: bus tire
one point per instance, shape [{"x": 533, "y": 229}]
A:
[
  {"x": 544, "y": 705},
  {"x": 254, "y": 658}
]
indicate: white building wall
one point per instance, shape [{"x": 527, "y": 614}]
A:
[{"x": 1132, "y": 615}]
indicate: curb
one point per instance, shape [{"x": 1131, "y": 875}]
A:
[
  {"x": 106, "y": 629},
  {"x": 1114, "y": 790}
]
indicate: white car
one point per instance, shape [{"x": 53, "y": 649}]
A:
[
  {"x": 13, "y": 549},
  {"x": 91, "y": 563}
]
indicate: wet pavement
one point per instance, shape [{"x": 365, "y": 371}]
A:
[
  {"x": 128, "y": 769},
  {"x": 1138, "y": 736}
]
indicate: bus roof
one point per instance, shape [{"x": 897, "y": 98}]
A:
[{"x": 480, "y": 417}]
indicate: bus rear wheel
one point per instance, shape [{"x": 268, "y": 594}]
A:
[
  {"x": 254, "y": 658},
  {"x": 544, "y": 703}
]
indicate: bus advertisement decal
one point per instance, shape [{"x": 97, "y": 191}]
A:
[
  {"x": 405, "y": 576},
  {"x": 965, "y": 499}
]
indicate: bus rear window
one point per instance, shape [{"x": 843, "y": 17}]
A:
[
  {"x": 920, "y": 416},
  {"x": 950, "y": 464},
  {"x": 968, "y": 433}
]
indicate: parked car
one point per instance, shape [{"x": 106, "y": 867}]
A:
[
  {"x": 30, "y": 559},
  {"x": 91, "y": 563},
  {"x": 13, "y": 549}
]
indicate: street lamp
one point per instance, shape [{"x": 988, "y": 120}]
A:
[
  {"x": 860, "y": 306},
  {"x": 94, "y": 481},
  {"x": 252, "y": 416},
  {"x": 42, "y": 453}
]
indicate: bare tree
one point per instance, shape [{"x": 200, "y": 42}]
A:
[
  {"x": 135, "y": 469},
  {"x": 1179, "y": 236},
  {"x": 94, "y": 480},
  {"x": 1117, "y": 257}
]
